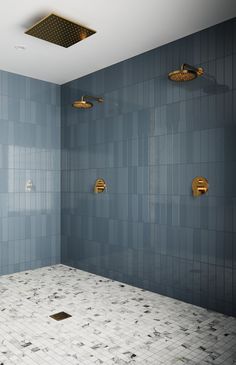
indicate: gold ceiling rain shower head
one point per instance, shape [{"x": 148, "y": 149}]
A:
[
  {"x": 83, "y": 103},
  {"x": 60, "y": 31},
  {"x": 186, "y": 73}
]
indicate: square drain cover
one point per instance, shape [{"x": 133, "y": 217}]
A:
[{"x": 60, "y": 316}]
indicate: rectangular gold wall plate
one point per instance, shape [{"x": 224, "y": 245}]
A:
[
  {"x": 60, "y": 316},
  {"x": 60, "y": 31}
]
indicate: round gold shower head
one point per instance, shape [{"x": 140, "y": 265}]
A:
[
  {"x": 186, "y": 73},
  {"x": 182, "y": 75},
  {"x": 82, "y": 104}
]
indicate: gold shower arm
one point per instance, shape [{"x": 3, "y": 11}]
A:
[
  {"x": 186, "y": 66},
  {"x": 99, "y": 99},
  {"x": 198, "y": 70}
]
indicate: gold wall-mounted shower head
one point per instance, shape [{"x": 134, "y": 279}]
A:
[
  {"x": 186, "y": 73},
  {"x": 83, "y": 103}
]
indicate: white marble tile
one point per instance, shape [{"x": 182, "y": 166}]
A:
[{"x": 111, "y": 323}]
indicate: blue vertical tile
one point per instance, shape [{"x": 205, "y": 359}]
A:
[{"x": 18, "y": 129}]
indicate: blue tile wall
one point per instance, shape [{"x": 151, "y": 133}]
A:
[
  {"x": 148, "y": 140},
  {"x": 30, "y": 132}
]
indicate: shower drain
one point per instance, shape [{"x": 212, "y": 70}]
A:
[{"x": 60, "y": 316}]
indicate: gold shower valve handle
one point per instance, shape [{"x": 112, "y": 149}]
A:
[
  {"x": 100, "y": 186},
  {"x": 199, "y": 185}
]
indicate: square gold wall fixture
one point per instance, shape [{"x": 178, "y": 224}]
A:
[
  {"x": 60, "y": 316},
  {"x": 60, "y": 31}
]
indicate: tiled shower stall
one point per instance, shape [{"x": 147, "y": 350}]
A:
[{"x": 148, "y": 140}]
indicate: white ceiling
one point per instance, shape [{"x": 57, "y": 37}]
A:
[{"x": 124, "y": 28}]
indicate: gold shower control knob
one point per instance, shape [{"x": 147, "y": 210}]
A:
[
  {"x": 100, "y": 186},
  {"x": 199, "y": 185}
]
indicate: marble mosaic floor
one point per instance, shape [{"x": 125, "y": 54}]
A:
[{"x": 111, "y": 323}]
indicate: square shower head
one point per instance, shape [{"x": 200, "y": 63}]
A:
[{"x": 60, "y": 31}]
